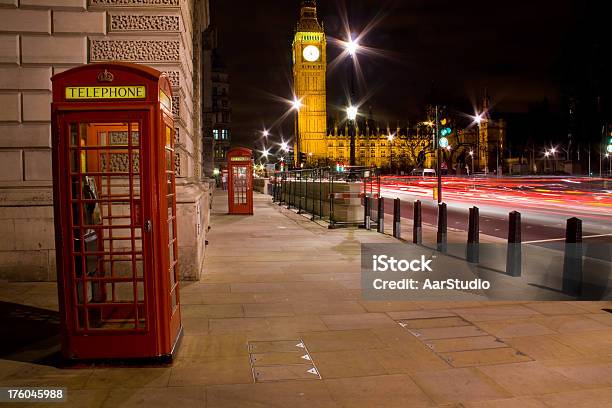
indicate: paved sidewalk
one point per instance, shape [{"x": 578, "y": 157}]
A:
[{"x": 278, "y": 321}]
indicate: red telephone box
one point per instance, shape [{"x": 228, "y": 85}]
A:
[
  {"x": 115, "y": 212},
  {"x": 240, "y": 183}
]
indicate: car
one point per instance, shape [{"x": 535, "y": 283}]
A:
[{"x": 423, "y": 173}]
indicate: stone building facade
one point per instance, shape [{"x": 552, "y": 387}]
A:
[{"x": 40, "y": 38}]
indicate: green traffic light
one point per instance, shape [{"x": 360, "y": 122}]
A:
[{"x": 445, "y": 131}]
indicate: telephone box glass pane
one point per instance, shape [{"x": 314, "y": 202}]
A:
[
  {"x": 240, "y": 184},
  {"x": 108, "y": 274},
  {"x": 170, "y": 199}
]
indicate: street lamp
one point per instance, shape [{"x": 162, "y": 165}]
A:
[
  {"x": 351, "y": 113},
  {"x": 478, "y": 121},
  {"x": 473, "y": 174},
  {"x": 266, "y": 133},
  {"x": 352, "y": 46},
  {"x": 296, "y": 105}
]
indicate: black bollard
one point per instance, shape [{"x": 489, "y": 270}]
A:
[
  {"x": 514, "y": 255},
  {"x": 572, "y": 261},
  {"x": 367, "y": 212},
  {"x": 397, "y": 232},
  {"x": 442, "y": 227},
  {"x": 380, "y": 227},
  {"x": 417, "y": 230},
  {"x": 472, "y": 249}
]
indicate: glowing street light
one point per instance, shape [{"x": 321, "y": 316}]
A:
[
  {"x": 478, "y": 119},
  {"x": 296, "y": 104},
  {"x": 351, "y": 112},
  {"x": 266, "y": 133},
  {"x": 390, "y": 137},
  {"x": 352, "y": 46},
  {"x": 285, "y": 146},
  {"x": 265, "y": 153}
]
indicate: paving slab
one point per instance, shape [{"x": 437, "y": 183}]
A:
[
  {"x": 459, "y": 385},
  {"x": 530, "y": 378},
  {"x": 209, "y": 371},
  {"x": 338, "y": 340},
  {"x": 465, "y": 344},
  {"x": 590, "y": 398},
  {"x": 543, "y": 348},
  {"x": 357, "y": 321},
  {"x": 283, "y": 394},
  {"x": 514, "y": 328},
  {"x": 285, "y": 373},
  {"x": 352, "y": 363},
  {"x": 389, "y": 391},
  {"x": 280, "y": 358},
  {"x": 473, "y": 358},
  {"x": 154, "y": 397}
]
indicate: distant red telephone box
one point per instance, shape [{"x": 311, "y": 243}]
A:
[
  {"x": 240, "y": 183},
  {"x": 115, "y": 212}
]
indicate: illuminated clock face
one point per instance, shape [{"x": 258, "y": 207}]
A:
[{"x": 311, "y": 53}]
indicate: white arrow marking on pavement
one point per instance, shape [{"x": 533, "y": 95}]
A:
[
  {"x": 403, "y": 324},
  {"x": 300, "y": 345},
  {"x": 306, "y": 357},
  {"x": 313, "y": 371}
]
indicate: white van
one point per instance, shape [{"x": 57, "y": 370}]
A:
[{"x": 423, "y": 173}]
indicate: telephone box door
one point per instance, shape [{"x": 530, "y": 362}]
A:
[
  {"x": 106, "y": 205},
  {"x": 240, "y": 194}
]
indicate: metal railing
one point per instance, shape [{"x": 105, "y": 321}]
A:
[{"x": 325, "y": 192}]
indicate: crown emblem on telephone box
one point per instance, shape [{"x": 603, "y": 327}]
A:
[{"x": 105, "y": 76}]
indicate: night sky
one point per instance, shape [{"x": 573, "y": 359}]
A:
[{"x": 447, "y": 48}]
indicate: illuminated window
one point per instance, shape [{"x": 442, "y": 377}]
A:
[{"x": 216, "y": 134}]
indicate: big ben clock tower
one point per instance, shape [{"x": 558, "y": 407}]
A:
[{"x": 309, "y": 75}]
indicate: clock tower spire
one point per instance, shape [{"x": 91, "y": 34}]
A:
[{"x": 309, "y": 84}]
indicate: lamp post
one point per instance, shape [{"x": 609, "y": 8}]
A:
[
  {"x": 473, "y": 176},
  {"x": 438, "y": 157},
  {"x": 478, "y": 121},
  {"x": 391, "y": 138},
  {"x": 351, "y": 113},
  {"x": 352, "y": 46},
  {"x": 296, "y": 105}
]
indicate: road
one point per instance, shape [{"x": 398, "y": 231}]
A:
[{"x": 545, "y": 203}]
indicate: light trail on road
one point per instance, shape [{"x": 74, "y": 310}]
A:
[
  {"x": 545, "y": 203},
  {"x": 558, "y": 195}
]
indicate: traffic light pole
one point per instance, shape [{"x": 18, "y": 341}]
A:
[{"x": 438, "y": 157}]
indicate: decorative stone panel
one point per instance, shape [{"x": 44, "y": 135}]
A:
[
  {"x": 136, "y": 22},
  {"x": 177, "y": 137},
  {"x": 120, "y": 162},
  {"x": 134, "y": 50},
  {"x": 176, "y": 106},
  {"x": 177, "y": 164},
  {"x": 174, "y": 77},
  {"x": 134, "y": 3}
]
